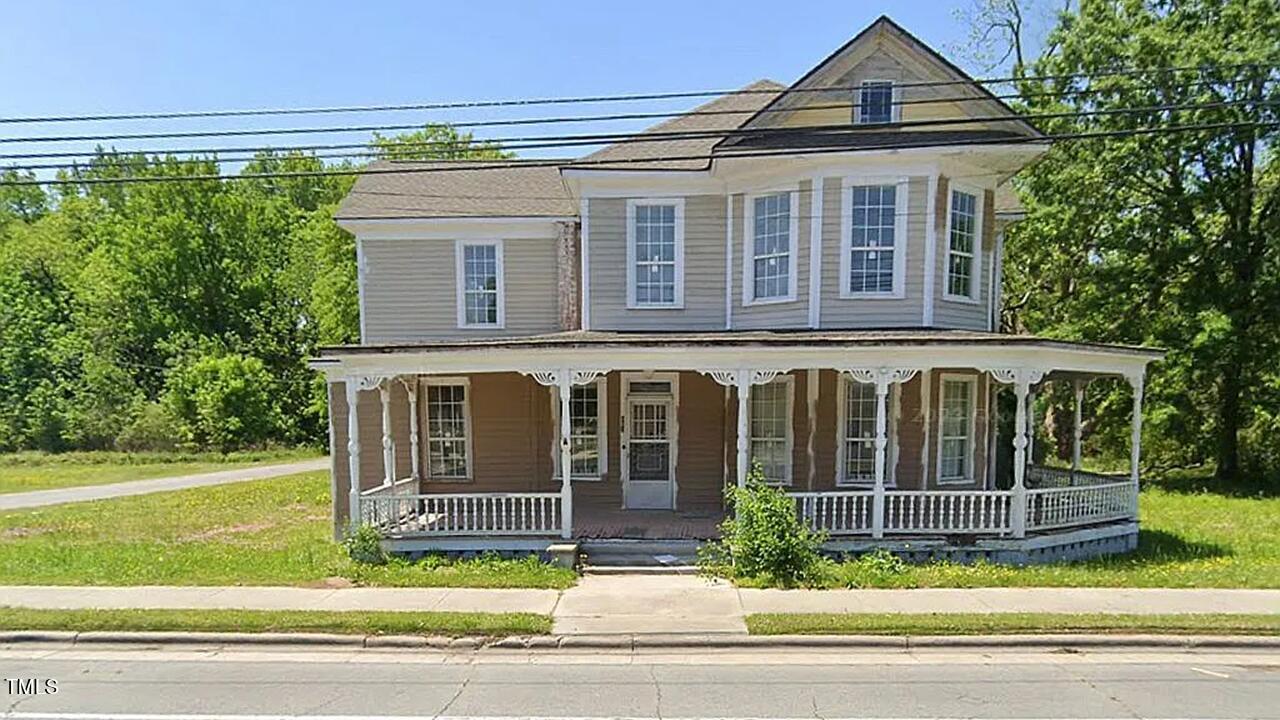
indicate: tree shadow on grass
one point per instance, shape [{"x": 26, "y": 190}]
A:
[
  {"x": 1161, "y": 546},
  {"x": 1202, "y": 481}
]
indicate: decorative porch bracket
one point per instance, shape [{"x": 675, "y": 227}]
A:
[
  {"x": 563, "y": 380},
  {"x": 354, "y": 384},
  {"x": 742, "y": 379},
  {"x": 882, "y": 378},
  {"x": 1022, "y": 378}
]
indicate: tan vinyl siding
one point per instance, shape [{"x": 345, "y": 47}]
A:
[
  {"x": 410, "y": 290},
  {"x": 955, "y": 314},
  {"x": 837, "y": 312},
  {"x": 704, "y": 268},
  {"x": 792, "y": 314}
]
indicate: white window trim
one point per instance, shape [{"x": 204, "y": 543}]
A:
[
  {"x": 460, "y": 277},
  {"x": 789, "y": 382},
  {"x": 901, "y": 209},
  {"x": 749, "y": 245},
  {"x": 895, "y": 101},
  {"x": 891, "y": 434},
  {"x": 678, "y": 303},
  {"x": 975, "y": 285},
  {"x": 602, "y": 426},
  {"x": 972, "y": 381},
  {"x": 465, "y": 382}
]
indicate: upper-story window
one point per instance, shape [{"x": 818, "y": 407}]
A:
[
  {"x": 964, "y": 219},
  {"x": 872, "y": 260},
  {"x": 655, "y": 253},
  {"x": 875, "y": 102},
  {"x": 769, "y": 263},
  {"x": 480, "y": 301}
]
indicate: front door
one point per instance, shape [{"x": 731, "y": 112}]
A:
[{"x": 648, "y": 463}]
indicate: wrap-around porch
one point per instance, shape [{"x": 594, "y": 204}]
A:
[{"x": 896, "y": 444}]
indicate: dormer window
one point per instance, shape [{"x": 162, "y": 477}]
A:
[{"x": 875, "y": 102}]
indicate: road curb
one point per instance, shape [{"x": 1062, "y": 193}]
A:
[{"x": 628, "y": 642}]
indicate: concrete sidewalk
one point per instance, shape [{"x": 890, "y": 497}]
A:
[
  {"x": 40, "y": 498},
  {"x": 655, "y": 604}
]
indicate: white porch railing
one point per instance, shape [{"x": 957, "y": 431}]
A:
[
  {"x": 1040, "y": 476},
  {"x": 1060, "y": 507},
  {"x": 948, "y": 512},
  {"x": 439, "y": 514},
  {"x": 838, "y": 513}
]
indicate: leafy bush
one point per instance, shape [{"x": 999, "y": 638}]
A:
[
  {"x": 154, "y": 429},
  {"x": 364, "y": 546},
  {"x": 764, "y": 538},
  {"x": 876, "y": 569},
  {"x": 222, "y": 402}
]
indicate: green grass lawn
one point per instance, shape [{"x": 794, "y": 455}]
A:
[
  {"x": 254, "y": 621},
  {"x": 1200, "y": 539},
  {"x": 262, "y": 532},
  {"x": 27, "y": 471},
  {"x": 995, "y": 624}
]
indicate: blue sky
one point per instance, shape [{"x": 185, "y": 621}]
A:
[{"x": 79, "y": 57}]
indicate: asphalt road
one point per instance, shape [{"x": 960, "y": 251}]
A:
[{"x": 174, "y": 683}]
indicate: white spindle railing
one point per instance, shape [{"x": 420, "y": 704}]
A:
[
  {"x": 836, "y": 513},
  {"x": 946, "y": 511},
  {"x": 1059, "y": 507},
  {"x": 462, "y": 513}
]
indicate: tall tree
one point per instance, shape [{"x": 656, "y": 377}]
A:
[{"x": 1166, "y": 237}]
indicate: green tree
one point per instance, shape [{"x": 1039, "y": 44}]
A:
[
  {"x": 436, "y": 142},
  {"x": 1166, "y": 238}
]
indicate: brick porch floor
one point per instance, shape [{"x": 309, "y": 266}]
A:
[{"x": 596, "y": 523}]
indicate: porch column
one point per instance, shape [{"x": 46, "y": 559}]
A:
[
  {"x": 388, "y": 444},
  {"x": 1022, "y": 379},
  {"x": 742, "y": 380},
  {"x": 565, "y": 387},
  {"x": 1077, "y": 430},
  {"x": 353, "y": 385},
  {"x": 1031, "y": 427},
  {"x": 882, "y": 378},
  {"x": 415, "y": 452},
  {"x": 1136, "y": 380}
]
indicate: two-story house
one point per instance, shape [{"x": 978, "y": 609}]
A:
[{"x": 805, "y": 277}]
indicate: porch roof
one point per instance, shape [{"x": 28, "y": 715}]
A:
[{"x": 583, "y": 339}]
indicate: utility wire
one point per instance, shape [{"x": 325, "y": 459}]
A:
[
  {"x": 627, "y": 97},
  {"x": 690, "y": 113},
  {"x": 614, "y": 163},
  {"x": 559, "y": 141},
  {"x": 510, "y": 122}
]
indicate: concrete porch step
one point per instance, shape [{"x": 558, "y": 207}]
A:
[
  {"x": 635, "y": 556},
  {"x": 639, "y": 569}
]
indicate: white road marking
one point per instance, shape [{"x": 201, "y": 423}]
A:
[
  {"x": 1210, "y": 673},
  {"x": 144, "y": 716}
]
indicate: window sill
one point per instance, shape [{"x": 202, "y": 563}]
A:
[
  {"x": 956, "y": 481},
  {"x": 964, "y": 299},
  {"x": 579, "y": 478},
  {"x": 769, "y": 301},
  {"x": 495, "y": 326},
  {"x": 872, "y": 296},
  {"x": 679, "y": 306},
  {"x": 861, "y": 485},
  {"x": 448, "y": 480}
]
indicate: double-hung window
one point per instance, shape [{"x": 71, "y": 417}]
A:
[
  {"x": 448, "y": 430},
  {"x": 872, "y": 260},
  {"x": 655, "y": 253},
  {"x": 770, "y": 429},
  {"x": 480, "y": 301},
  {"x": 770, "y": 256},
  {"x": 964, "y": 259},
  {"x": 956, "y": 432},
  {"x": 586, "y": 431},
  {"x": 875, "y": 102},
  {"x": 858, "y": 434}
]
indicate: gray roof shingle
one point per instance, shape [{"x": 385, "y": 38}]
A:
[{"x": 458, "y": 189}]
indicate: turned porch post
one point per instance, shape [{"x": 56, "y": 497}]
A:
[
  {"x": 564, "y": 386},
  {"x": 1031, "y": 427},
  {"x": 1022, "y": 379},
  {"x": 1077, "y": 430},
  {"x": 1135, "y": 435},
  {"x": 353, "y": 385},
  {"x": 415, "y": 452},
  {"x": 742, "y": 382},
  {"x": 388, "y": 443},
  {"x": 883, "y": 379}
]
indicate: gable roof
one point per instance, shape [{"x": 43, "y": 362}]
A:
[
  {"x": 458, "y": 189},
  {"x": 884, "y": 26},
  {"x": 727, "y": 112}
]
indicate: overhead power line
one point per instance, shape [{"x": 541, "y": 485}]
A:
[
  {"x": 614, "y": 163},
  {"x": 577, "y": 140},
  {"x": 612, "y": 98},
  {"x": 509, "y": 122},
  {"x": 423, "y": 144}
]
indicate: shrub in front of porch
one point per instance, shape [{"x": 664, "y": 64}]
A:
[{"x": 763, "y": 538}]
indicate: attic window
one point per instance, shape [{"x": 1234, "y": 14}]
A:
[{"x": 875, "y": 102}]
